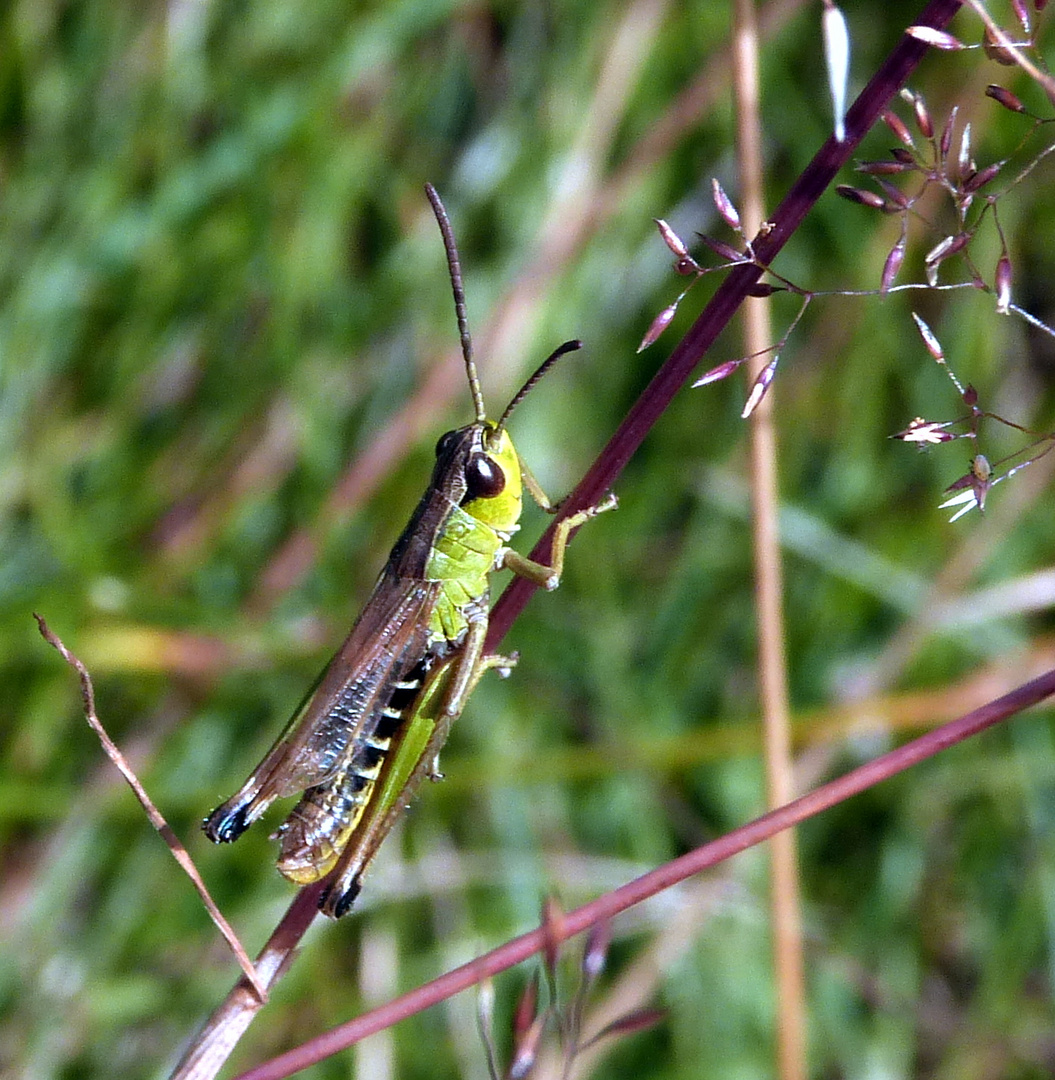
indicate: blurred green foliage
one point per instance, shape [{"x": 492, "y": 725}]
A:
[{"x": 221, "y": 288}]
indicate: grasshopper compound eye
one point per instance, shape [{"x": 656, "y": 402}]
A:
[
  {"x": 444, "y": 443},
  {"x": 484, "y": 478}
]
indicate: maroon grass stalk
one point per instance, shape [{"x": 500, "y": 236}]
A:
[
  {"x": 648, "y": 885},
  {"x": 688, "y": 353}
]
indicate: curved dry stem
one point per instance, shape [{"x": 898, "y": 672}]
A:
[
  {"x": 212, "y": 1046},
  {"x": 254, "y": 984}
]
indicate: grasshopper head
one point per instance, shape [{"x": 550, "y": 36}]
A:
[
  {"x": 478, "y": 466},
  {"x": 494, "y": 474}
]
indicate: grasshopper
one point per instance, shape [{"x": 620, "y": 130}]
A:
[{"x": 371, "y": 727}]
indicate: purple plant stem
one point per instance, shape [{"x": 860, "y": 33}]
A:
[
  {"x": 611, "y": 904},
  {"x": 659, "y": 393}
]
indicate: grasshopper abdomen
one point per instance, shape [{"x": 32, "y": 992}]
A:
[{"x": 319, "y": 827}]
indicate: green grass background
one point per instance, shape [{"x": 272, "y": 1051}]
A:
[{"x": 221, "y": 287}]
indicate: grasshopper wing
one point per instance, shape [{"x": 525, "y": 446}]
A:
[{"x": 342, "y": 707}]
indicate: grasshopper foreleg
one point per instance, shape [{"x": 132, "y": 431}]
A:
[{"x": 548, "y": 577}]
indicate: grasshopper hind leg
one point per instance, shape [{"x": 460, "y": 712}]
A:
[{"x": 408, "y": 764}]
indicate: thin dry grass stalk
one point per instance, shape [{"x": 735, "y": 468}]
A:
[
  {"x": 213, "y": 1044},
  {"x": 772, "y": 670},
  {"x": 998, "y": 36}
]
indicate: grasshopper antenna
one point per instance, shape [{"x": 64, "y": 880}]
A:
[
  {"x": 455, "y": 267},
  {"x": 518, "y": 397}
]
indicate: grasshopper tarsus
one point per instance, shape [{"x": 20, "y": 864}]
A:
[{"x": 547, "y": 575}]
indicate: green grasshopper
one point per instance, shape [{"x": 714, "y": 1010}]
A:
[{"x": 371, "y": 728}]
